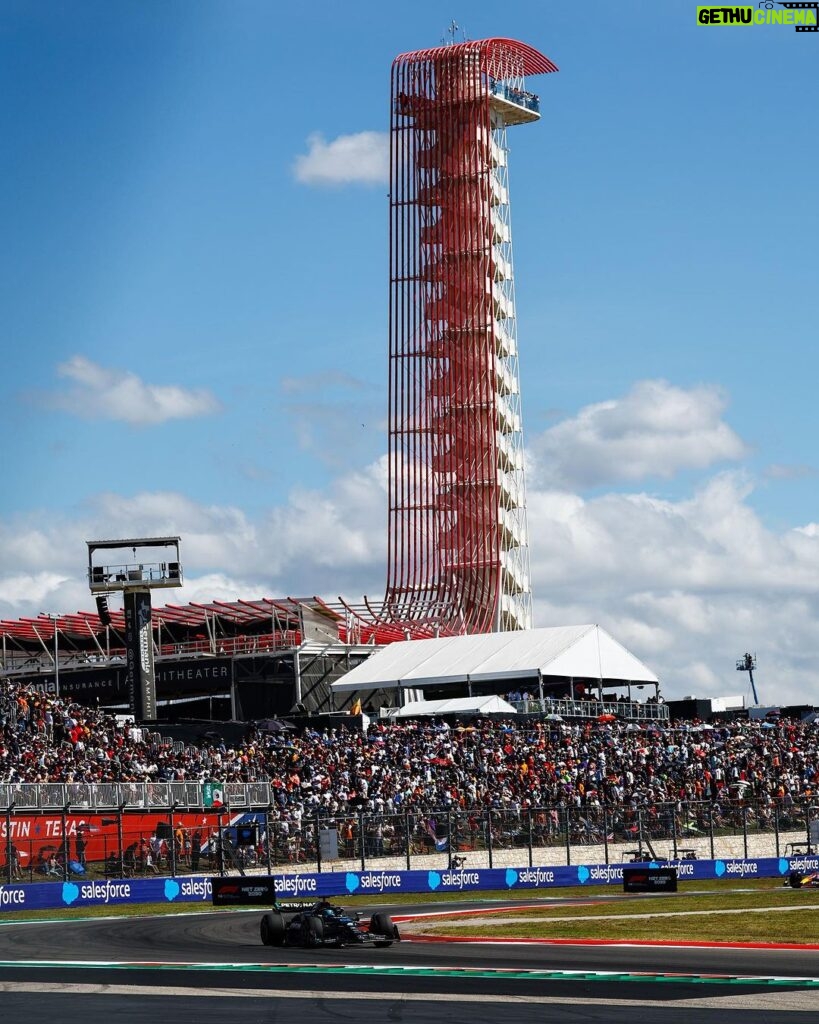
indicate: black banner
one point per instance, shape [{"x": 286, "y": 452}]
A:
[
  {"x": 232, "y": 892},
  {"x": 649, "y": 879},
  {"x": 108, "y": 683},
  {"x": 205, "y": 675},
  {"x": 139, "y": 653}
]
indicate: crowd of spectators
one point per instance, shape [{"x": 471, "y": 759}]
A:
[{"x": 427, "y": 765}]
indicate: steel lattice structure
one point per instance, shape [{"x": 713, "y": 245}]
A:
[{"x": 458, "y": 556}]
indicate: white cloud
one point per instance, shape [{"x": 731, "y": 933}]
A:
[
  {"x": 654, "y": 431},
  {"x": 96, "y": 392},
  {"x": 325, "y": 543},
  {"x": 361, "y": 158},
  {"x": 688, "y": 585}
]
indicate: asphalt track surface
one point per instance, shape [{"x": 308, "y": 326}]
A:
[{"x": 209, "y": 967}]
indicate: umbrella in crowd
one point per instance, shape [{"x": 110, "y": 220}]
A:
[{"x": 275, "y": 725}]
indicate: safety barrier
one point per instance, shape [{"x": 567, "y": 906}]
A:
[
  {"x": 377, "y": 884},
  {"x": 161, "y": 834},
  {"x": 50, "y": 796}
]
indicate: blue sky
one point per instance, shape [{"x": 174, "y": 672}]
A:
[{"x": 194, "y": 320}]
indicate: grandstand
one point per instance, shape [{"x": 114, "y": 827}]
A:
[
  {"x": 246, "y": 660},
  {"x": 491, "y": 792},
  {"x": 235, "y": 660}
]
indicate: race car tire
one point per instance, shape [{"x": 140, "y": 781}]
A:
[
  {"x": 381, "y": 924},
  {"x": 272, "y": 929},
  {"x": 312, "y": 932}
]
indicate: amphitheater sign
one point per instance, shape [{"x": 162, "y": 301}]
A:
[{"x": 108, "y": 684}]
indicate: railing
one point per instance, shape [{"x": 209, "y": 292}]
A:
[
  {"x": 26, "y": 662},
  {"x": 62, "y": 843},
  {"x": 51, "y": 796},
  {"x": 630, "y": 710},
  {"x": 551, "y": 835},
  {"x": 519, "y": 97}
]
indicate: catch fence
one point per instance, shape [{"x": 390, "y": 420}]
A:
[{"x": 247, "y": 834}]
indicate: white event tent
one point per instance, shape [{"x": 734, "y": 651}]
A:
[
  {"x": 488, "y": 705},
  {"x": 585, "y": 652}
]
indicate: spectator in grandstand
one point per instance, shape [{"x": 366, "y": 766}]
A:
[{"x": 423, "y": 766}]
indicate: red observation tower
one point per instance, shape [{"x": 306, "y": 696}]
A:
[{"x": 458, "y": 554}]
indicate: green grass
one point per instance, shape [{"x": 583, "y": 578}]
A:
[
  {"x": 679, "y": 902},
  {"x": 711, "y": 917},
  {"x": 708, "y": 900},
  {"x": 798, "y": 927}
]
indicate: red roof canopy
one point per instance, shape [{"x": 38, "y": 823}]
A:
[
  {"x": 82, "y": 625},
  {"x": 492, "y": 52}
]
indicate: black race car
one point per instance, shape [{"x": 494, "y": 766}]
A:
[
  {"x": 324, "y": 924},
  {"x": 802, "y": 880}
]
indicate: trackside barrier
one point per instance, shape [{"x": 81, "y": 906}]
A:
[
  {"x": 193, "y": 889},
  {"x": 102, "y": 892}
]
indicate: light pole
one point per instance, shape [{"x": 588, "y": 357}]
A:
[{"x": 55, "y": 619}]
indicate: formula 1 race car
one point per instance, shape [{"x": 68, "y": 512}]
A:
[
  {"x": 324, "y": 924},
  {"x": 800, "y": 880}
]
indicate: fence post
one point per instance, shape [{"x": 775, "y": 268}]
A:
[
  {"x": 172, "y": 840},
  {"x": 776, "y": 828},
  {"x": 66, "y": 848},
  {"x": 745, "y": 831},
  {"x": 220, "y": 842},
  {"x": 407, "y": 838},
  {"x": 606, "y": 833},
  {"x": 268, "y": 839},
  {"x": 318, "y": 845},
  {"x": 566, "y": 811},
  {"x": 121, "y": 841},
  {"x": 711, "y": 828},
  {"x": 361, "y": 839},
  {"x": 449, "y": 839},
  {"x": 489, "y": 835},
  {"x": 531, "y": 861},
  {"x": 9, "y": 809},
  {"x": 674, "y": 829},
  {"x": 640, "y": 832}
]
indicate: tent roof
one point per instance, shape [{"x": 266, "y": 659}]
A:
[
  {"x": 489, "y": 705},
  {"x": 579, "y": 652}
]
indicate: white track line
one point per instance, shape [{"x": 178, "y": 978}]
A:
[{"x": 779, "y": 1001}]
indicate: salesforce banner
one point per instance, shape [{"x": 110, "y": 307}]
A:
[
  {"x": 191, "y": 889},
  {"x": 87, "y": 893},
  {"x": 365, "y": 883}
]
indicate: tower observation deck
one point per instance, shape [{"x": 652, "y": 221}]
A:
[{"x": 458, "y": 549}]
